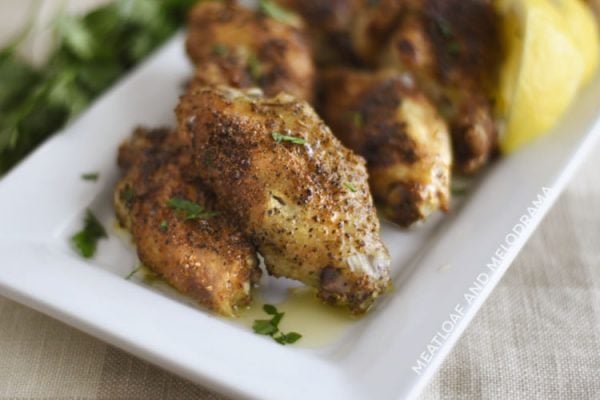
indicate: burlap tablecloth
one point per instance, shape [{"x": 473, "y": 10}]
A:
[{"x": 537, "y": 336}]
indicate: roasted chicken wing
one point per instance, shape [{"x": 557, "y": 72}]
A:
[
  {"x": 452, "y": 49},
  {"x": 294, "y": 188},
  {"x": 238, "y": 47},
  {"x": 172, "y": 223},
  {"x": 329, "y": 25},
  {"x": 384, "y": 118}
]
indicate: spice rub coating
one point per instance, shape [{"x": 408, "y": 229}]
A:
[
  {"x": 208, "y": 259},
  {"x": 294, "y": 188},
  {"x": 406, "y": 143},
  {"x": 238, "y": 47}
]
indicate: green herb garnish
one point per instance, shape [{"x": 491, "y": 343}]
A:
[
  {"x": 164, "y": 226},
  {"x": 278, "y": 137},
  {"x": 444, "y": 27},
  {"x": 86, "y": 240},
  {"x": 90, "y": 53},
  {"x": 270, "y": 327},
  {"x": 92, "y": 176},
  {"x": 132, "y": 273},
  {"x": 278, "y": 13},
  {"x": 220, "y": 49},
  {"x": 127, "y": 195},
  {"x": 357, "y": 119},
  {"x": 350, "y": 187},
  {"x": 254, "y": 67},
  {"x": 190, "y": 209}
]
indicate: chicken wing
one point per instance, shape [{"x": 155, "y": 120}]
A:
[
  {"x": 452, "y": 49},
  {"x": 201, "y": 254},
  {"x": 300, "y": 194},
  {"x": 329, "y": 25},
  {"x": 238, "y": 47},
  {"x": 384, "y": 118}
]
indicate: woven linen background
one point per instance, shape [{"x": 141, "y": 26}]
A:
[{"x": 536, "y": 337}]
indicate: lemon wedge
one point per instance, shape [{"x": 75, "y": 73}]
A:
[{"x": 552, "y": 49}]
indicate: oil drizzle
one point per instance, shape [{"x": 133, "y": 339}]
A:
[{"x": 319, "y": 324}]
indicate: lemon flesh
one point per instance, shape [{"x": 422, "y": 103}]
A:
[{"x": 544, "y": 68}]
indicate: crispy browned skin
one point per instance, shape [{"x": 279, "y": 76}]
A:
[
  {"x": 306, "y": 206},
  {"x": 452, "y": 48},
  {"x": 206, "y": 259},
  {"x": 399, "y": 132},
  {"x": 329, "y": 25},
  {"x": 373, "y": 25},
  {"x": 235, "y": 46}
]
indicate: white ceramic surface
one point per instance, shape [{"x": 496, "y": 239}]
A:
[{"x": 443, "y": 271}]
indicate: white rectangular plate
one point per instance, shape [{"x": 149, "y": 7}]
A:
[{"x": 443, "y": 271}]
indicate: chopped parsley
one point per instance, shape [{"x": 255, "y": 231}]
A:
[
  {"x": 254, "y": 67},
  {"x": 91, "y": 176},
  {"x": 189, "y": 209},
  {"x": 220, "y": 49},
  {"x": 164, "y": 226},
  {"x": 350, "y": 187},
  {"x": 132, "y": 273},
  {"x": 127, "y": 195},
  {"x": 270, "y": 327},
  {"x": 278, "y": 13},
  {"x": 444, "y": 27},
  {"x": 278, "y": 137},
  {"x": 86, "y": 240},
  {"x": 357, "y": 119}
]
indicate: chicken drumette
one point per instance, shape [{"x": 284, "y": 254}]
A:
[
  {"x": 452, "y": 49},
  {"x": 329, "y": 26},
  {"x": 406, "y": 143},
  {"x": 177, "y": 235},
  {"x": 238, "y": 47},
  {"x": 297, "y": 192}
]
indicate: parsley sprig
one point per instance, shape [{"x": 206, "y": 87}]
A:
[
  {"x": 90, "y": 53},
  {"x": 190, "y": 210},
  {"x": 278, "y": 13},
  {"x": 90, "y": 176},
  {"x": 270, "y": 327},
  {"x": 350, "y": 187},
  {"x": 278, "y": 137},
  {"x": 86, "y": 240}
]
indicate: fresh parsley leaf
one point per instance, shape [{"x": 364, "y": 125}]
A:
[
  {"x": 292, "y": 337},
  {"x": 278, "y": 137},
  {"x": 90, "y": 53},
  {"x": 350, "y": 187},
  {"x": 86, "y": 240},
  {"x": 278, "y": 13},
  {"x": 76, "y": 36},
  {"x": 190, "y": 209},
  {"x": 264, "y": 327},
  {"x": 270, "y": 309},
  {"x": 270, "y": 327},
  {"x": 164, "y": 226},
  {"x": 91, "y": 176}
]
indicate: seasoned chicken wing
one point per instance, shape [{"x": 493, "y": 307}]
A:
[
  {"x": 238, "y": 47},
  {"x": 177, "y": 235},
  {"x": 329, "y": 25},
  {"x": 452, "y": 49},
  {"x": 300, "y": 194},
  {"x": 406, "y": 143}
]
